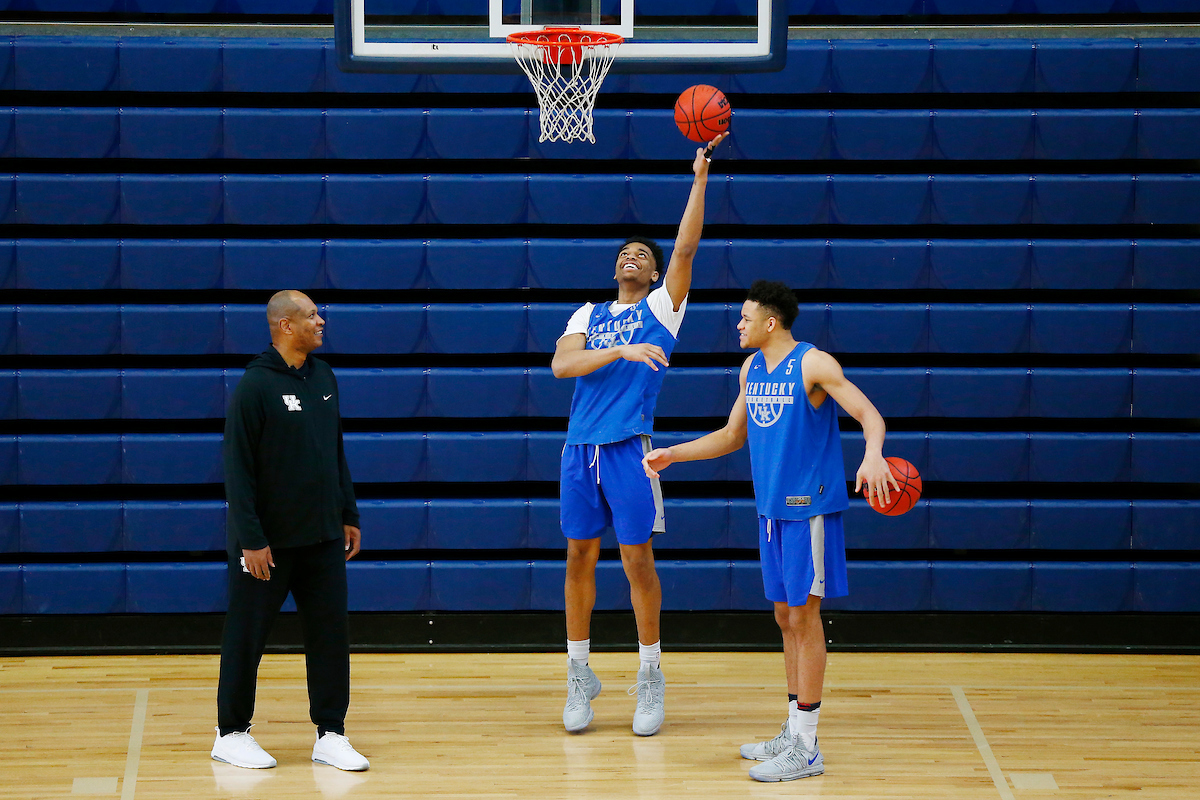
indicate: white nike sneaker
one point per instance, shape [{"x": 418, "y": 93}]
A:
[
  {"x": 336, "y": 751},
  {"x": 240, "y": 749},
  {"x": 797, "y": 761}
]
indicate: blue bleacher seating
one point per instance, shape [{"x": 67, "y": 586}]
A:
[
  {"x": 357, "y": 328},
  {"x": 65, "y": 132},
  {"x": 879, "y": 199},
  {"x": 978, "y": 328},
  {"x": 1086, "y": 65},
  {"x": 978, "y": 524},
  {"x": 176, "y": 588},
  {"x": 83, "y": 64},
  {"x": 385, "y": 393},
  {"x": 882, "y": 135},
  {"x": 172, "y": 199},
  {"x": 1097, "y": 134},
  {"x": 10, "y": 589},
  {"x": 1077, "y": 264},
  {"x": 70, "y": 527},
  {"x": 1095, "y": 525},
  {"x": 477, "y": 199},
  {"x": 1166, "y": 393},
  {"x": 562, "y": 199},
  {"x": 1166, "y": 524},
  {"x": 75, "y": 330},
  {"x": 980, "y": 586},
  {"x": 979, "y": 392},
  {"x": 1083, "y": 586},
  {"x": 172, "y": 394},
  {"x": 1166, "y": 328},
  {"x": 1166, "y": 588},
  {"x": 1083, "y": 199},
  {"x": 1166, "y": 457},
  {"x": 274, "y": 133},
  {"x": 983, "y": 66},
  {"x": 188, "y": 65},
  {"x": 885, "y": 586},
  {"x": 1080, "y": 328},
  {"x": 881, "y": 66},
  {"x": 9, "y": 461},
  {"x": 373, "y": 264},
  {"x": 1066, "y": 393},
  {"x": 983, "y": 134},
  {"x": 477, "y": 263},
  {"x": 8, "y": 394},
  {"x": 374, "y": 133},
  {"x": 981, "y": 199},
  {"x": 880, "y": 264},
  {"x": 388, "y": 586},
  {"x": 171, "y": 330},
  {"x": 274, "y": 199},
  {"x": 170, "y": 264},
  {"x": 779, "y": 199},
  {"x": 376, "y": 199},
  {"x": 267, "y": 265},
  {"x": 67, "y": 264},
  {"x": 73, "y": 589},
  {"x": 69, "y": 394},
  {"x": 174, "y": 526},
  {"x": 1167, "y": 199},
  {"x": 258, "y": 65},
  {"x": 171, "y": 133},
  {"x": 1165, "y": 264},
  {"x": 67, "y": 199},
  {"x": 171, "y": 458}
]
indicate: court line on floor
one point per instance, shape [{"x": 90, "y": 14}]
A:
[
  {"x": 129, "y": 784},
  {"x": 985, "y": 750}
]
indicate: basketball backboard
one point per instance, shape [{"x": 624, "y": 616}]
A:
[{"x": 469, "y": 35}]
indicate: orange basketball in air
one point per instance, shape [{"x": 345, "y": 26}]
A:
[{"x": 702, "y": 112}]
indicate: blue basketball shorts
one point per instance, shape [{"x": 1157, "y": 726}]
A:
[
  {"x": 803, "y": 557},
  {"x": 604, "y": 485}
]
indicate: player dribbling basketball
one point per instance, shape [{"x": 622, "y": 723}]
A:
[{"x": 787, "y": 408}]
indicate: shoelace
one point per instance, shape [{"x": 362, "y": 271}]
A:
[
  {"x": 653, "y": 692},
  {"x": 576, "y": 690},
  {"x": 336, "y": 741},
  {"x": 780, "y": 743}
]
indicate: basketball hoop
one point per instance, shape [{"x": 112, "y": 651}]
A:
[{"x": 566, "y": 67}]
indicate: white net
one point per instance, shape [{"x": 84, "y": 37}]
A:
[{"x": 566, "y": 70}]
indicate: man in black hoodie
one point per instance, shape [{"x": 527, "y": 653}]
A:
[{"x": 292, "y": 526}]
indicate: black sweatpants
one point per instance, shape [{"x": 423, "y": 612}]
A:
[{"x": 316, "y": 577}]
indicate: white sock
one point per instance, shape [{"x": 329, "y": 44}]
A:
[
  {"x": 803, "y": 723},
  {"x": 578, "y": 651},
  {"x": 650, "y": 653}
]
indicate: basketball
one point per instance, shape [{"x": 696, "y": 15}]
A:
[
  {"x": 910, "y": 488},
  {"x": 702, "y": 112}
]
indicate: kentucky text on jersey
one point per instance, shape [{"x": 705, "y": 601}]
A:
[{"x": 607, "y": 333}]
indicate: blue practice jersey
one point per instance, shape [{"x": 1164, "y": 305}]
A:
[
  {"x": 795, "y": 449},
  {"x": 617, "y": 401}
]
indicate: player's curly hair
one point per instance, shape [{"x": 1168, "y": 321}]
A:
[
  {"x": 777, "y": 299},
  {"x": 655, "y": 251}
]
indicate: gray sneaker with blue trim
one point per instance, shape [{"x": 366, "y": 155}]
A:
[{"x": 797, "y": 761}]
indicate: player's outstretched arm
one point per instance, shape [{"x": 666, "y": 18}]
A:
[
  {"x": 687, "y": 241},
  {"x": 822, "y": 369},
  {"x": 572, "y": 359},
  {"x": 713, "y": 445}
]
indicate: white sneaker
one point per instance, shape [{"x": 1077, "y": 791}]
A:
[
  {"x": 582, "y": 688},
  {"x": 797, "y": 761},
  {"x": 765, "y": 751},
  {"x": 651, "y": 687},
  {"x": 240, "y": 749},
  {"x": 336, "y": 751}
]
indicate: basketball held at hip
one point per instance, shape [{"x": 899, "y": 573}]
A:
[
  {"x": 903, "y": 500},
  {"x": 702, "y": 112}
]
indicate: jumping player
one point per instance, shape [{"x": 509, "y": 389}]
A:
[
  {"x": 790, "y": 392},
  {"x": 617, "y": 352}
]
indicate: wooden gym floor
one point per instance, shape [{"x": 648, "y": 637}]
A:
[{"x": 960, "y": 726}]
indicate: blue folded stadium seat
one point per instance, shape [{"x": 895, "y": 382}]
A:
[
  {"x": 779, "y": 134},
  {"x": 1080, "y": 393},
  {"x": 544, "y": 455},
  {"x": 1167, "y": 588},
  {"x": 476, "y": 263},
  {"x": 476, "y": 457},
  {"x": 337, "y": 80},
  {"x": 1166, "y": 328},
  {"x": 172, "y": 458},
  {"x": 1166, "y": 524},
  {"x": 67, "y": 263},
  {"x": 1167, "y": 65},
  {"x": 885, "y": 586},
  {"x": 395, "y": 524},
  {"x": 246, "y": 329},
  {"x": 382, "y": 393},
  {"x": 1082, "y": 264},
  {"x": 879, "y": 264},
  {"x": 1165, "y": 264},
  {"x": 882, "y": 134},
  {"x": 69, "y": 394},
  {"x": 878, "y": 328},
  {"x": 746, "y": 587},
  {"x": 375, "y": 199},
  {"x": 988, "y": 457},
  {"x": 1085, "y": 65},
  {"x": 981, "y": 586},
  {"x": 270, "y": 133},
  {"x": 174, "y": 526},
  {"x": 896, "y": 66},
  {"x": 8, "y": 265},
  {"x": 261, "y": 65},
  {"x": 266, "y": 265},
  {"x": 978, "y": 524},
  {"x": 171, "y": 199},
  {"x": 1166, "y": 457},
  {"x": 386, "y": 457},
  {"x": 546, "y": 323},
  {"x": 67, "y": 199},
  {"x": 496, "y": 392},
  {"x": 190, "y": 64},
  {"x": 73, "y": 589},
  {"x": 1083, "y": 587},
  {"x": 366, "y": 264},
  {"x": 978, "y": 264},
  {"x": 479, "y": 586},
  {"x": 1165, "y": 392},
  {"x": 358, "y": 328},
  {"x": 1085, "y": 134},
  {"x": 8, "y": 394},
  {"x": 374, "y": 133},
  {"x": 65, "y": 64},
  {"x": 1167, "y": 199},
  {"x": 988, "y": 66},
  {"x": 1075, "y": 457},
  {"x": 546, "y": 580},
  {"x": 700, "y": 525},
  {"x": 572, "y": 263},
  {"x": 388, "y": 586},
  {"x": 697, "y": 392},
  {"x": 867, "y": 529},
  {"x": 660, "y": 199},
  {"x": 811, "y": 325},
  {"x": 894, "y": 391},
  {"x": 1081, "y": 525},
  {"x": 802, "y": 264},
  {"x": 9, "y": 460},
  {"x": 981, "y": 199},
  {"x": 611, "y": 127},
  {"x": 545, "y": 532},
  {"x": 808, "y": 70},
  {"x": 1080, "y": 328},
  {"x": 984, "y": 134},
  {"x": 879, "y": 199},
  {"x": 69, "y": 330},
  {"x": 65, "y": 132},
  {"x": 10, "y": 588},
  {"x": 478, "y": 525},
  {"x": 173, "y": 393},
  {"x": 978, "y": 328},
  {"x": 476, "y": 328},
  {"x": 70, "y": 527},
  {"x": 274, "y": 199},
  {"x": 1083, "y": 199},
  {"x": 170, "y": 264},
  {"x": 477, "y": 199},
  {"x": 172, "y": 330},
  {"x": 779, "y": 199},
  {"x": 708, "y": 328},
  {"x": 978, "y": 392},
  {"x": 694, "y": 585},
  {"x": 170, "y": 133},
  {"x": 176, "y": 588},
  {"x": 549, "y": 396},
  {"x": 579, "y": 199},
  {"x": 491, "y": 133},
  {"x": 1167, "y": 132}
]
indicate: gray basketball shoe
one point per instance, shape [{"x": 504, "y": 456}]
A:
[
  {"x": 651, "y": 688},
  {"x": 797, "y": 761},
  {"x": 582, "y": 688},
  {"x": 765, "y": 751}
]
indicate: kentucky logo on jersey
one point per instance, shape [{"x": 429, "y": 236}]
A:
[
  {"x": 765, "y": 401},
  {"x": 292, "y": 402},
  {"x": 613, "y": 332}
]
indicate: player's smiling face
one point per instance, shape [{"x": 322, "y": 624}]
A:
[
  {"x": 635, "y": 263},
  {"x": 753, "y": 326}
]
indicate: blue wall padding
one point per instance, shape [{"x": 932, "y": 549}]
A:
[
  {"x": 67, "y": 264},
  {"x": 885, "y": 586},
  {"x": 174, "y": 526},
  {"x": 73, "y": 589},
  {"x": 388, "y": 586},
  {"x": 58, "y": 459},
  {"x": 1083, "y": 586},
  {"x": 172, "y": 458},
  {"x": 981, "y": 586},
  {"x": 69, "y": 394},
  {"x": 479, "y": 586},
  {"x": 978, "y": 524},
  {"x": 176, "y": 588},
  {"x": 67, "y": 527},
  {"x": 1167, "y": 587},
  {"x": 10, "y": 589},
  {"x": 1166, "y": 524},
  {"x": 1075, "y": 525}
]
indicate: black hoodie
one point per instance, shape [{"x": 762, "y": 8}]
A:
[{"x": 286, "y": 478}]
